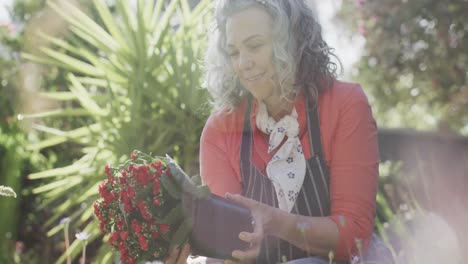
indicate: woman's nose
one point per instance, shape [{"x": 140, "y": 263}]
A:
[{"x": 245, "y": 62}]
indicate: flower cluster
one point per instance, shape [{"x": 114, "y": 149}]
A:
[{"x": 140, "y": 208}]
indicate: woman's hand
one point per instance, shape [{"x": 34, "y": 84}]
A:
[
  {"x": 260, "y": 213},
  {"x": 178, "y": 255}
]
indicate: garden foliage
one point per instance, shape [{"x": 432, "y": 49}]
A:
[
  {"x": 415, "y": 60},
  {"x": 133, "y": 79}
]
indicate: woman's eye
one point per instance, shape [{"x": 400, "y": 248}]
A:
[
  {"x": 233, "y": 54},
  {"x": 255, "y": 47}
]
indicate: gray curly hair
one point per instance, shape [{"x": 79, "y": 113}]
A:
[{"x": 300, "y": 55}]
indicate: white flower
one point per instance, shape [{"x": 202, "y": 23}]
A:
[
  {"x": 82, "y": 236},
  {"x": 65, "y": 220},
  {"x": 7, "y": 191}
]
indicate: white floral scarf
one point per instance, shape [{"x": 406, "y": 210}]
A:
[{"x": 287, "y": 168}]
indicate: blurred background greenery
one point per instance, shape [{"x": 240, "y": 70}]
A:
[{"x": 84, "y": 82}]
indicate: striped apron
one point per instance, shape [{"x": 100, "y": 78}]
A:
[{"x": 313, "y": 198}]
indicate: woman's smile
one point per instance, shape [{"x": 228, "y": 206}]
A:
[{"x": 255, "y": 77}]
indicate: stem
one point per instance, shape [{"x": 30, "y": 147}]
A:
[
  {"x": 331, "y": 255},
  {"x": 83, "y": 258},
  {"x": 67, "y": 243}
]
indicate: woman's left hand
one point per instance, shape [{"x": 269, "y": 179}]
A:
[
  {"x": 260, "y": 213},
  {"x": 178, "y": 255}
]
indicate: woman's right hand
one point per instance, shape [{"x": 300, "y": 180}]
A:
[
  {"x": 178, "y": 255},
  {"x": 260, "y": 213}
]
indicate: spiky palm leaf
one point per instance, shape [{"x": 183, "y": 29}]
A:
[{"x": 133, "y": 81}]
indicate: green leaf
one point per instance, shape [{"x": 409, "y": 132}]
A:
[
  {"x": 67, "y": 112},
  {"x": 129, "y": 25},
  {"x": 109, "y": 22},
  {"x": 147, "y": 12},
  {"x": 59, "y": 96},
  {"x": 75, "y": 167},
  {"x": 61, "y": 43},
  {"x": 85, "y": 23},
  {"x": 65, "y": 183},
  {"x": 43, "y": 60},
  {"x": 163, "y": 26},
  {"x": 84, "y": 97},
  {"x": 73, "y": 63},
  {"x": 69, "y": 136}
]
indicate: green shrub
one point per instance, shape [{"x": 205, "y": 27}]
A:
[{"x": 133, "y": 79}]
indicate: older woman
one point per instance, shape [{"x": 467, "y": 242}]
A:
[{"x": 288, "y": 140}]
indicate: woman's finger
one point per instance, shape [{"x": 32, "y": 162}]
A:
[
  {"x": 249, "y": 203},
  {"x": 246, "y": 255},
  {"x": 184, "y": 253},
  {"x": 252, "y": 238},
  {"x": 255, "y": 240},
  {"x": 173, "y": 254}
]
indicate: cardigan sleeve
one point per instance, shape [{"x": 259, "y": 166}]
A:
[
  {"x": 353, "y": 174},
  {"x": 216, "y": 168}
]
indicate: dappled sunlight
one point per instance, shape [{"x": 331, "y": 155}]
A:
[
  {"x": 431, "y": 240},
  {"x": 82, "y": 83},
  {"x": 424, "y": 185}
]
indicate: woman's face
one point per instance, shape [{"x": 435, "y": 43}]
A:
[{"x": 250, "y": 46}]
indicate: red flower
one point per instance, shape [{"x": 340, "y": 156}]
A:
[
  {"x": 156, "y": 186},
  {"x": 135, "y": 226},
  {"x": 120, "y": 223},
  {"x": 97, "y": 210},
  {"x": 122, "y": 181},
  {"x": 143, "y": 175},
  {"x": 123, "y": 251},
  {"x": 131, "y": 192},
  {"x": 156, "y": 165},
  {"x": 144, "y": 210},
  {"x": 108, "y": 171},
  {"x": 164, "y": 228},
  {"x": 155, "y": 235},
  {"x": 360, "y": 3},
  {"x": 114, "y": 239},
  {"x": 159, "y": 172},
  {"x": 131, "y": 196},
  {"x": 143, "y": 242},
  {"x": 111, "y": 180},
  {"x": 123, "y": 235},
  {"x": 156, "y": 201},
  {"x": 103, "y": 188},
  {"x": 102, "y": 227},
  {"x": 127, "y": 207}
]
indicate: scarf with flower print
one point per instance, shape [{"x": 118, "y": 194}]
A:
[{"x": 287, "y": 168}]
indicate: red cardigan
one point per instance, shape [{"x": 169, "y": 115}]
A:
[{"x": 349, "y": 137}]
